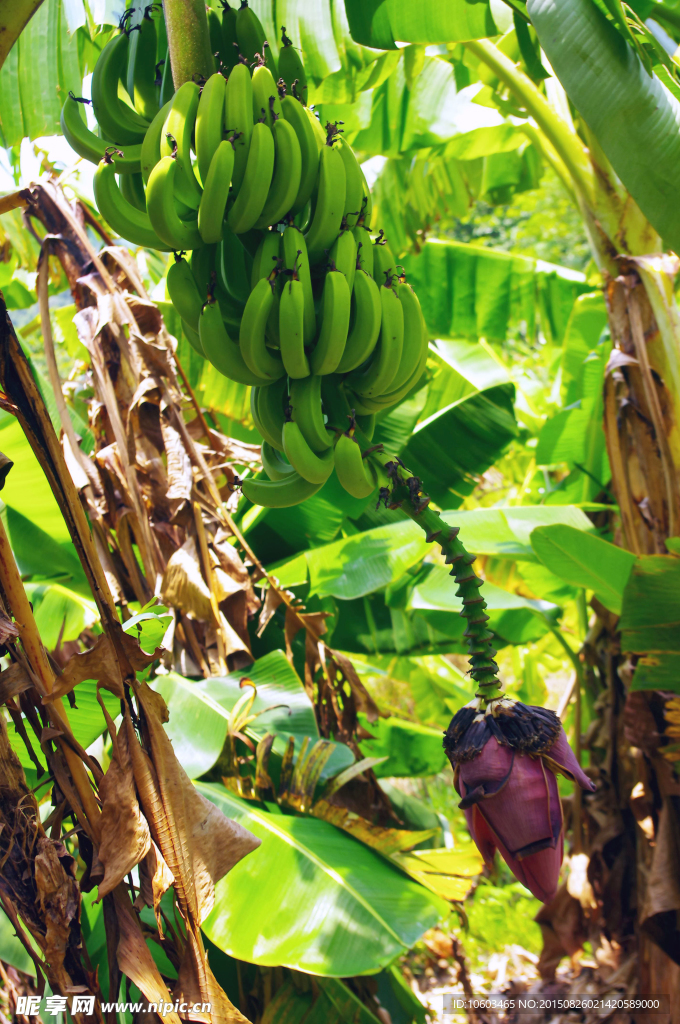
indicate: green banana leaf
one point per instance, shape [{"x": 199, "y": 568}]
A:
[
  {"x": 585, "y": 560},
  {"x": 411, "y": 749},
  {"x": 325, "y": 904},
  {"x": 634, "y": 117},
  {"x": 199, "y": 713},
  {"x": 380, "y": 22},
  {"x": 649, "y": 621}
]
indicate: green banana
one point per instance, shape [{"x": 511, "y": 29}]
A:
[
  {"x": 216, "y": 193},
  {"x": 367, "y": 202},
  {"x": 292, "y": 329},
  {"x": 193, "y": 338},
  {"x": 362, "y": 238},
  {"x": 274, "y": 464},
  {"x": 117, "y": 119},
  {"x": 238, "y": 114},
  {"x": 295, "y": 259},
  {"x": 90, "y": 146},
  {"x": 266, "y": 102},
  {"x": 220, "y": 349},
  {"x": 151, "y": 147},
  {"x": 229, "y": 48},
  {"x": 335, "y": 313},
  {"x": 234, "y": 266},
  {"x": 258, "y": 358},
  {"x": 310, "y": 149},
  {"x": 354, "y": 473},
  {"x": 251, "y": 37},
  {"x": 343, "y": 256},
  {"x": 364, "y": 324},
  {"x": 160, "y": 202},
  {"x": 384, "y": 263},
  {"x": 354, "y": 187},
  {"x": 319, "y": 133},
  {"x": 253, "y": 192},
  {"x": 330, "y": 203},
  {"x": 209, "y": 123},
  {"x": 215, "y": 30},
  {"x": 184, "y": 292},
  {"x": 132, "y": 188},
  {"x": 414, "y": 332},
  {"x": 377, "y": 379},
  {"x": 305, "y": 400},
  {"x": 202, "y": 263},
  {"x": 272, "y": 399},
  {"x": 304, "y": 461},
  {"x": 129, "y": 222},
  {"x": 141, "y": 73},
  {"x": 293, "y": 490},
  {"x": 286, "y": 176},
  {"x": 291, "y": 69},
  {"x": 176, "y": 140},
  {"x": 366, "y": 424},
  {"x": 266, "y": 257}
]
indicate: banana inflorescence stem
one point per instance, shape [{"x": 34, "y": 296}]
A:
[
  {"x": 405, "y": 492},
  {"x": 189, "y": 47}
]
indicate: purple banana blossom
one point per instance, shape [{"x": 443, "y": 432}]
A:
[{"x": 512, "y": 805}]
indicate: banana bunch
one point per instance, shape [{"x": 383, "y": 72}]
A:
[{"x": 277, "y": 277}]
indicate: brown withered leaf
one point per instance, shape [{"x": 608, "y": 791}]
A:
[
  {"x": 183, "y": 585},
  {"x": 659, "y": 915},
  {"x": 13, "y": 680},
  {"x": 134, "y": 957},
  {"x": 59, "y": 900},
  {"x": 155, "y": 878},
  {"x": 362, "y": 698},
  {"x": 272, "y": 600},
  {"x": 180, "y": 477},
  {"x": 9, "y": 631},
  {"x": 197, "y": 984},
  {"x": 100, "y": 662},
  {"x": 124, "y": 830},
  {"x": 563, "y": 927}
]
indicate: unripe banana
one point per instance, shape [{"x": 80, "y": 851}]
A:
[
  {"x": 367, "y": 202},
  {"x": 272, "y": 402},
  {"x": 229, "y": 48},
  {"x": 292, "y": 329},
  {"x": 209, "y": 123},
  {"x": 266, "y": 258},
  {"x": 354, "y": 184},
  {"x": 335, "y": 313},
  {"x": 160, "y": 202},
  {"x": 234, "y": 266},
  {"x": 293, "y": 490},
  {"x": 176, "y": 140},
  {"x": 376, "y": 380},
  {"x": 266, "y": 102},
  {"x": 132, "y": 188},
  {"x": 238, "y": 114},
  {"x": 305, "y": 401},
  {"x": 258, "y": 358},
  {"x": 286, "y": 177},
  {"x": 291, "y": 69},
  {"x": 384, "y": 263},
  {"x": 414, "y": 331},
  {"x": 295, "y": 259},
  {"x": 330, "y": 203},
  {"x": 183, "y": 292},
  {"x": 365, "y": 323},
  {"x": 364, "y": 245},
  {"x": 354, "y": 473},
  {"x": 125, "y": 219},
  {"x": 343, "y": 256},
  {"x": 90, "y": 146},
  {"x": 117, "y": 120},
  {"x": 193, "y": 338},
  {"x": 310, "y": 149},
  {"x": 141, "y": 74},
  {"x": 274, "y": 464},
  {"x": 151, "y": 147},
  {"x": 254, "y": 189},
  {"x": 307, "y": 463},
  {"x": 316, "y": 128},
  {"x": 249, "y": 33},
  {"x": 220, "y": 349},
  {"x": 216, "y": 192}
]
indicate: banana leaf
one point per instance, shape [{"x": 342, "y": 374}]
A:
[{"x": 325, "y": 904}]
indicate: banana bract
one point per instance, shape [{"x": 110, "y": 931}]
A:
[{"x": 287, "y": 286}]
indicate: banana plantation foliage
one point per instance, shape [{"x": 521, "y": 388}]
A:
[{"x": 340, "y": 519}]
